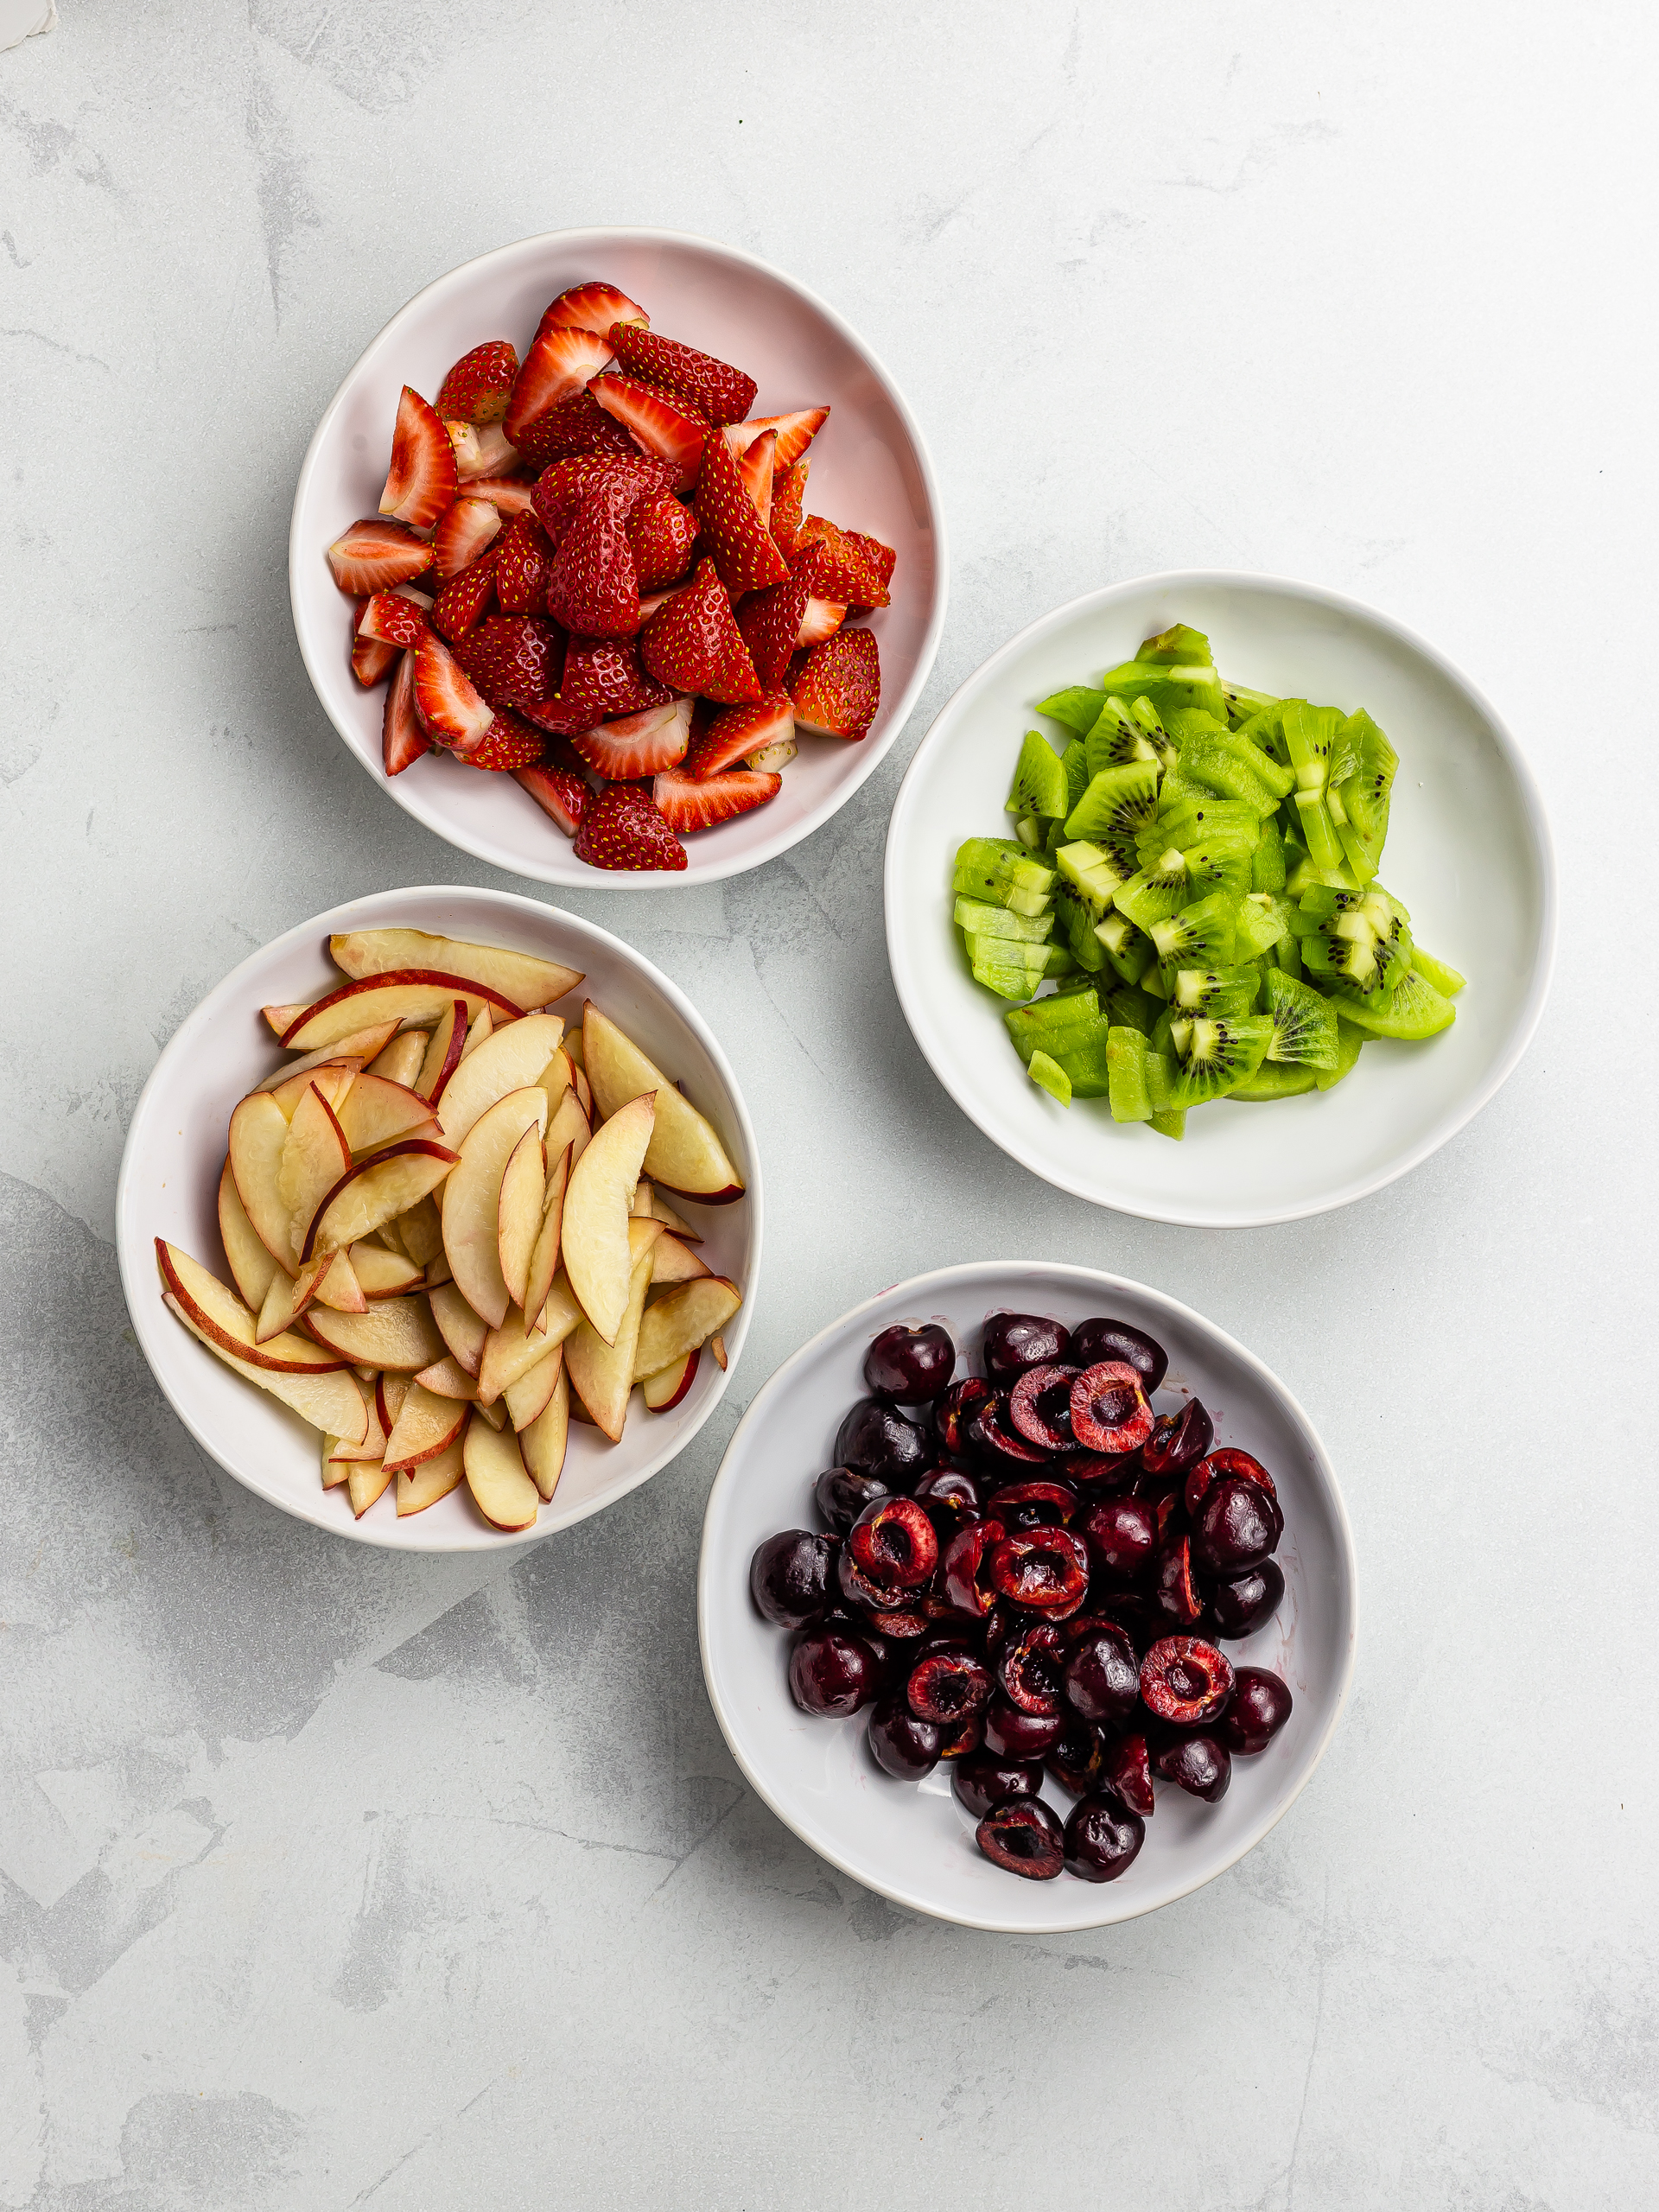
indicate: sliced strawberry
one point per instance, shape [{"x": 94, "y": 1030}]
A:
[
  {"x": 820, "y": 618},
  {"x": 795, "y": 432},
  {"x": 509, "y": 494},
  {"x": 621, "y": 829},
  {"x": 511, "y": 660},
  {"x": 371, "y": 657},
  {"x": 524, "y": 566},
  {"x": 836, "y": 688},
  {"x": 649, "y": 606},
  {"x": 736, "y": 732},
  {"x": 688, "y": 804},
  {"x": 509, "y": 743},
  {"x": 481, "y": 451},
  {"x": 479, "y": 386},
  {"x": 741, "y": 545},
  {"x": 558, "y": 716},
  {"x": 593, "y": 587},
  {"x": 602, "y": 679},
  {"x": 881, "y": 558},
  {"x": 693, "y": 643},
  {"x": 396, "y": 617},
  {"x": 662, "y": 531},
  {"x": 402, "y": 739},
  {"x": 591, "y": 307},
  {"x": 755, "y": 467},
  {"x": 845, "y": 571},
  {"x": 639, "y": 744},
  {"x": 659, "y": 423},
  {"x": 451, "y": 712},
  {"x": 560, "y": 489},
  {"x": 578, "y": 425},
  {"x": 770, "y": 622},
  {"x": 557, "y": 367},
  {"x": 771, "y": 758},
  {"x": 464, "y": 529},
  {"x": 464, "y": 599},
  {"x": 375, "y": 556},
  {"x": 557, "y": 792},
  {"x": 710, "y": 388},
  {"x": 421, "y": 480},
  {"x": 788, "y": 491}
]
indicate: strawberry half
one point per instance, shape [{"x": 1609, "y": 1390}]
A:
[
  {"x": 593, "y": 587},
  {"x": 479, "y": 386},
  {"x": 794, "y": 432},
  {"x": 846, "y": 570},
  {"x": 578, "y": 425},
  {"x": 560, "y": 490},
  {"x": 557, "y": 367},
  {"x": 838, "y": 687},
  {"x": 450, "y": 710},
  {"x": 402, "y": 739},
  {"x": 510, "y": 495},
  {"x": 639, "y": 744},
  {"x": 591, "y": 307},
  {"x": 557, "y": 792},
  {"x": 509, "y": 743},
  {"x": 820, "y": 618},
  {"x": 710, "y": 388},
  {"x": 770, "y": 624},
  {"x": 621, "y": 829},
  {"x": 603, "y": 679},
  {"x": 396, "y": 617},
  {"x": 693, "y": 643},
  {"x": 662, "y": 531},
  {"x": 755, "y": 467},
  {"x": 658, "y": 423},
  {"x": 483, "y": 451},
  {"x": 744, "y": 555},
  {"x": 464, "y": 599},
  {"x": 558, "y": 716},
  {"x": 464, "y": 529},
  {"x": 511, "y": 660},
  {"x": 788, "y": 493},
  {"x": 737, "y": 731},
  {"x": 688, "y": 804},
  {"x": 421, "y": 479},
  {"x": 523, "y": 566},
  {"x": 371, "y": 657},
  {"x": 376, "y": 556}
]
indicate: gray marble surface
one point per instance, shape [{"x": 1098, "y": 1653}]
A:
[{"x": 337, "y": 1880}]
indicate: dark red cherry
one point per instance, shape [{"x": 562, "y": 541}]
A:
[
  {"x": 1037, "y": 1504},
  {"x": 1186, "y": 1681},
  {"x": 1141, "y": 1619},
  {"x": 1224, "y": 1462},
  {"x": 833, "y": 1673},
  {"x": 961, "y": 1740},
  {"x": 841, "y": 1494},
  {"x": 790, "y": 1577},
  {"x": 1244, "y": 1603},
  {"x": 946, "y": 1687},
  {"x": 1261, "y": 1706},
  {"x": 996, "y": 1443},
  {"x": 1075, "y": 1761},
  {"x": 984, "y": 1780},
  {"x": 1122, "y": 1534},
  {"x": 1198, "y": 1764},
  {"x": 1126, "y": 1766},
  {"x": 901, "y": 1745},
  {"x": 1039, "y": 1406},
  {"x": 877, "y": 1439},
  {"x": 1178, "y": 1440},
  {"x": 1238, "y": 1526},
  {"x": 904, "y": 1624},
  {"x": 1014, "y": 1342},
  {"x": 1109, "y": 1411},
  {"x": 1029, "y": 1667},
  {"x": 1102, "y": 1838},
  {"x": 967, "y": 1574},
  {"x": 1174, "y": 1585},
  {"x": 950, "y": 1497},
  {"x": 1102, "y": 1470},
  {"x": 1102, "y": 1676},
  {"x": 1045, "y": 1568},
  {"x": 1022, "y": 1836},
  {"x": 1093, "y": 1341},
  {"x": 893, "y": 1544},
  {"x": 909, "y": 1367},
  {"x": 952, "y": 1412},
  {"x": 1016, "y": 1735}
]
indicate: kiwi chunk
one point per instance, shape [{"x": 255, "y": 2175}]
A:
[
  {"x": 1446, "y": 981},
  {"x": 1077, "y": 706},
  {"x": 977, "y": 919},
  {"x": 1078, "y": 929},
  {"x": 1092, "y": 873},
  {"x": 1199, "y": 935},
  {"x": 1245, "y": 706},
  {"x": 1304, "y": 1024},
  {"x": 1131, "y": 952},
  {"x": 1125, "y": 1075},
  {"x": 1263, "y": 922},
  {"x": 1038, "y": 786},
  {"x": 1348, "y": 1041},
  {"x": 1002, "y": 872},
  {"x": 1219, "y": 993},
  {"x": 1272, "y": 1081},
  {"x": 1117, "y": 804},
  {"x": 1414, "y": 1009},
  {"x": 1051, "y": 1075},
  {"x": 1213, "y": 1057},
  {"x": 1116, "y": 738}
]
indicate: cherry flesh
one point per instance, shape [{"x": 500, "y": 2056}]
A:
[
  {"x": 877, "y": 1439},
  {"x": 993, "y": 1438},
  {"x": 1102, "y": 1838},
  {"x": 965, "y": 1738},
  {"x": 946, "y": 1687},
  {"x": 953, "y": 1411},
  {"x": 1109, "y": 1411},
  {"x": 1093, "y": 1341},
  {"x": 967, "y": 1575},
  {"x": 833, "y": 1673},
  {"x": 1224, "y": 1462},
  {"x": 950, "y": 1497},
  {"x": 1014, "y": 1342},
  {"x": 1178, "y": 1442},
  {"x": 1023, "y": 1836},
  {"x": 1046, "y": 1569},
  {"x": 1244, "y": 1603},
  {"x": 1122, "y": 1534},
  {"x": 1039, "y": 1406},
  {"x": 1029, "y": 1669},
  {"x": 1238, "y": 1526},
  {"x": 1185, "y": 1680},
  {"x": 893, "y": 1544},
  {"x": 1261, "y": 1706},
  {"x": 1076, "y": 1759},
  {"x": 902, "y": 1745},
  {"x": 1127, "y": 1767},
  {"x": 1016, "y": 1735},
  {"x": 984, "y": 1780},
  {"x": 841, "y": 1494},
  {"x": 1174, "y": 1585},
  {"x": 909, "y": 1367},
  {"x": 1102, "y": 1676},
  {"x": 1033, "y": 1504},
  {"x": 1198, "y": 1764},
  {"x": 790, "y": 1577}
]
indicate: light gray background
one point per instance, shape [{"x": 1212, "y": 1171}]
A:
[{"x": 333, "y": 1879}]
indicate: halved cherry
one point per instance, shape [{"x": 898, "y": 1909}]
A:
[
  {"x": 893, "y": 1544},
  {"x": 1101, "y": 1677},
  {"x": 1013, "y": 1734},
  {"x": 1227, "y": 1461},
  {"x": 1029, "y": 1667},
  {"x": 952, "y": 1412},
  {"x": 1109, "y": 1411},
  {"x": 967, "y": 1568},
  {"x": 1023, "y": 1836},
  {"x": 992, "y": 1436},
  {"x": 950, "y": 1497},
  {"x": 947, "y": 1686},
  {"x": 1103, "y": 1470},
  {"x": 859, "y": 1591},
  {"x": 1127, "y": 1767},
  {"x": 1238, "y": 1526},
  {"x": 1185, "y": 1680},
  {"x": 1075, "y": 1761},
  {"x": 963, "y": 1741},
  {"x": 904, "y": 1625},
  {"x": 1039, "y": 1406},
  {"x": 1037, "y": 1504},
  {"x": 1046, "y": 1569},
  {"x": 1178, "y": 1440},
  {"x": 1174, "y": 1585}
]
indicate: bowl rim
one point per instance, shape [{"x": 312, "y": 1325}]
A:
[
  {"x": 919, "y": 1289},
  {"x": 134, "y": 1248},
  {"x": 562, "y": 869},
  {"x": 911, "y": 998}
]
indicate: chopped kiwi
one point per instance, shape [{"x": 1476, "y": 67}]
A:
[
  {"x": 1245, "y": 706},
  {"x": 1128, "y": 1008},
  {"x": 1125, "y": 1075},
  {"x": 1077, "y": 929},
  {"x": 1212, "y": 1056},
  {"x": 1414, "y": 1009},
  {"x": 1092, "y": 873},
  {"x": 1051, "y": 1075},
  {"x": 1357, "y": 944},
  {"x": 1217, "y": 991},
  {"x": 1263, "y": 923},
  {"x": 1272, "y": 1081},
  {"x": 1199, "y": 935},
  {"x": 1116, "y": 738},
  {"x": 1077, "y": 707},
  {"x": 976, "y": 917},
  {"x": 1038, "y": 786},
  {"x": 1304, "y": 1023},
  {"x": 1267, "y": 861},
  {"x": 1446, "y": 981},
  {"x": 1130, "y": 951},
  {"x": 1348, "y": 1041},
  {"x": 1117, "y": 803},
  {"x": 1075, "y": 761}
]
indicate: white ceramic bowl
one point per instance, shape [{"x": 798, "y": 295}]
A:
[
  {"x": 870, "y": 472},
  {"x": 914, "y": 1843},
  {"x": 170, "y": 1181},
  {"x": 1469, "y": 852}
]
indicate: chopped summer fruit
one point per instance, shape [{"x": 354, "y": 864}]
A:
[
  {"x": 593, "y": 587},
  {"x": 693, "y": 643},
  {"x": 621, "y": 829},
  {"x": 692, "y": 803},
  {"x": 639, "y": 744},
  {"x": 837, "y": 688},
  {"x": 731, "y": 527},
  {"x": 739, "y": 733},
  {"x": 423, "y": 480},
  {"x": 795, "y": 432},
  {"x": 479, "y": 386},
  {"x": 713, "y": 389},
  {"x": 378, "y": 554},
  {"x": 660, "y": 425}
]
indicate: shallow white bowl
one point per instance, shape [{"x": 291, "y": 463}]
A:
[
  {"x": 169, "y": 1183},
  {"x": 1469, "y": 853},
  {"x": 914, "y": 1843},
  {"x": 870, "y": 471}
]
